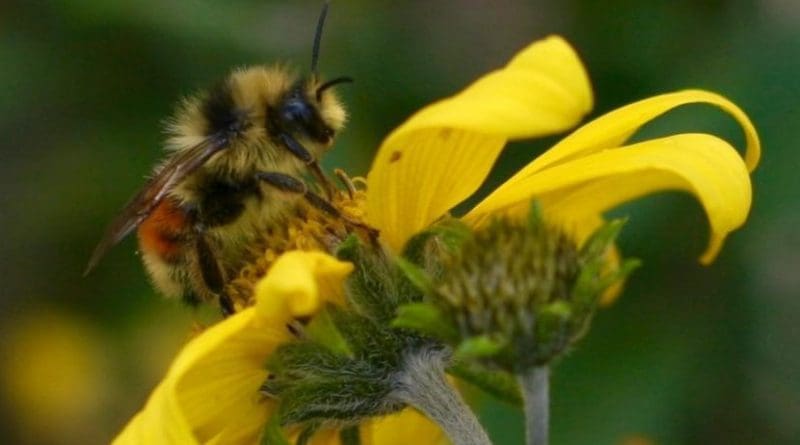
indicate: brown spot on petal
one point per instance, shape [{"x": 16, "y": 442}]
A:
[
  {"x": 395, "y": 156},
  {"x": 445, "y": 133}
]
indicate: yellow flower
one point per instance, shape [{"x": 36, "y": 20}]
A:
[
  {"x": 442, "y": 154},
  {"x": 432, "y": 162},
  {"x": 211, "y": 392}
]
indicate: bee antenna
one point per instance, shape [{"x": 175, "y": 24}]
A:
[
  {"x": 332, "y": 82},
  {"x": 318, "y": 38}
]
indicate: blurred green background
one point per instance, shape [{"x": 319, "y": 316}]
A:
[{"x": 689, "y": 354}]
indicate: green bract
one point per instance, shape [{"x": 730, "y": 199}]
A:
[{"x": 513, "y": 294}]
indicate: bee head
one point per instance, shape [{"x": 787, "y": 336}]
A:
[
  {"x": 312, "y": 111},
  {"x": 309, "y": 109}
]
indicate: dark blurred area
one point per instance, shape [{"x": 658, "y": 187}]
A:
[{"x": 688, "y": 355}]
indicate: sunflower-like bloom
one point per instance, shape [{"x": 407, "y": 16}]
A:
[{"x": 435, "y": 160}]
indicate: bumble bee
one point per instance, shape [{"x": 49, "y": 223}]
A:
[{"x": 232, "y": 150}]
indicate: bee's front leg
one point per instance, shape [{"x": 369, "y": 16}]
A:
[
  {"x": 290, "y": 184},
  {"x": 301, "y": 153}
]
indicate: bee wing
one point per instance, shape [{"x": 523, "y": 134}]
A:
[{"x": 153, "y": 192}]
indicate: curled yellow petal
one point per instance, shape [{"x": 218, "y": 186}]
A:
[
  {"x": 614, "y": 128},
  {"x": 442, "y": 154},
  {"x": 211, "y": 392},
  {"x": 701, "y": 164},
  {"x": 298, "y": 282}
]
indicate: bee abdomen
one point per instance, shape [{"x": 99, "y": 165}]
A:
[{"x": 164, "y": 232}]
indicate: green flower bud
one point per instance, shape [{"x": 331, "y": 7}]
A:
[{"x": 519, "y": 294}]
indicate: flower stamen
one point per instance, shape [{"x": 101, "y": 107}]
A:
[{"x": 307, "y": 227}]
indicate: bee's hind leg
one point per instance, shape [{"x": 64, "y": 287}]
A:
[
  {"x": 288, "y": 183},
  {"x": 210, "y": 271}
]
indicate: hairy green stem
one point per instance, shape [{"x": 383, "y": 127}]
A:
[
  {"x": 535, "y": 384},
  {"x": 423, "y": 385}
]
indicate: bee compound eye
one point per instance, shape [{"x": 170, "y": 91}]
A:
[{"x": 298, "y": 116}]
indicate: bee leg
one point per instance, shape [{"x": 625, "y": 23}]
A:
[
  {"x": 287, "y": 183},
  {"x": 211, "y": 272},
  {"x": 346, "y": 181},
  {"x": 301, "y": 153}
]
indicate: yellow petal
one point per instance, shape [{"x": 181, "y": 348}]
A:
[
  {"x": 157, "y": 424},
  {"x": 613, "y": 129},
  {"x": 327, "y": 435},
  {"x": 217, "y": 379},
  {"x": 701, "y": 164},
  {"x": 442, "y": 154},
  {"x": 211, "y": 392},
  {"x": 167, "y": 419},
  {"x": 405, "y": 427},
  {"x": 298, "y": 282}
]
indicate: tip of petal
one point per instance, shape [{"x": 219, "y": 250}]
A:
[
  {"x": 442, "y": 153},
  {"x": 555, "y": 49},
  {"x": 713, "y": 249}
]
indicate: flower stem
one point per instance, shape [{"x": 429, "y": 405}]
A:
[
  {"x": 535, "y": 384},
  {"x": 424, "y": 386}
]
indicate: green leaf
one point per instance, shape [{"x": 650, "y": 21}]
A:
[
  {"x": 478, "y": 347},
  {"x": 306, "y": 434},
  {"x": 350, "y": 436},
  {"x": 370, "y": 288},
  {"x": 323, "y": 331},
  {"x": 550, "y": 322},
  {"x": 418, "y": 277},
  {"x": 347, "y": 250},
  {"x": 427, "y": 319},
  {"x": 452, "y": 232},
  {"x": 499, "y": 384},
  {"x": 449, "y": 232},
  {"x": 535, "y": 215},
  {"x": 273, "y": 433},
  {"x": 601, "y": 239},
  {"x": 625, "y": 269},
  {"x": 585, "y": 292},
  {"x": 363, "y": 335}
]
